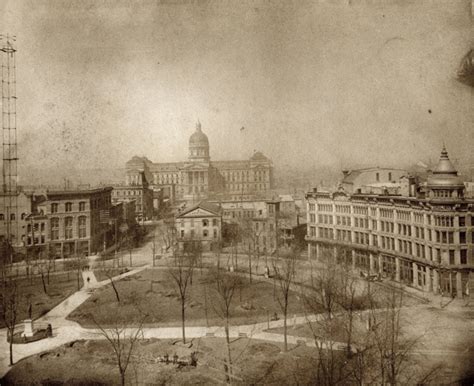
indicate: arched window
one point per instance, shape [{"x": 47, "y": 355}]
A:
[{"x": 12, "y": 217}]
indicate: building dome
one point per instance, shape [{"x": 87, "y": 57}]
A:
[
  {"x": 445, "y": 174},
  {"x": 198, "y": 138},
  {"x": 199, "y": 145},
  {"x": 445, "y": 178}
]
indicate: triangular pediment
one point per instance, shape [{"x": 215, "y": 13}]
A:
[
  {"x": 196, "y": 166},
  {"x": 197, "y": 212}
]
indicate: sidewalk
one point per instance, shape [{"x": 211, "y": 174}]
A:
[{"x": 64, "y": 330}]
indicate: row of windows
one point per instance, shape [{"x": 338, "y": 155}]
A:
[
  {"x": 443, "y": 193},
  {"x": 237, "y": 187},
  {"x": 165, "y": 178},
  {"x": 68, "y": 207},
  {"x": 325, "y": 207},
  {"x": 68, "y": 227},
  {"x": 361, "y": 210},
  {"x": 343, "y": 209},
  {"x": 205, "y": 233},
  {"x": 361, "y": 222},
  {"x": 387, "y": 226},
  {"x": 361, "y": 238},
  {"x": 12, "y": 216},
  {"x": 136, "y": 192},
  {"x": 403, "y": 215},
  {"x": 240, "y": 213},
  {"x": 387, "y": 213},
  {"x": 36, "y": 227},
  {"x": 418, "y": 217},
  {"x": 343, "y": 220},
  {"x": 343, "y": 235},
  {"x": 204, "y": 222},
  {"x": 257, "y": 226},
  {"x": 387, "y": 243},
  {"x": 325, "y": 219},
  {"x": 326, "y": 233}
]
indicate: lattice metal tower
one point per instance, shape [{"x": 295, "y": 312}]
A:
[{"x": 9, "y": 144}]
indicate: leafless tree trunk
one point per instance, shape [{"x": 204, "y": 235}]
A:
[
  {"x": 285, "y": 276},
  {"x": 225, "y": 286},
  {"x": 321, "y": 298},
  {"x": 182, "y": 273},
  {"x": 393, "y": 349},
  {"x": 110, "y": 275},
  {"x": 122, "y": 341},
  {"x": 9, "y": 303}
]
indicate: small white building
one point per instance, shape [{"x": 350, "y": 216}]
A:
[{"x": 199, "y": 227}]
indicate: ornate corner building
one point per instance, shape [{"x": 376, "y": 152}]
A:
[
  {"x": 424, "y": 240},
  {"x": 199, "y": 178}
]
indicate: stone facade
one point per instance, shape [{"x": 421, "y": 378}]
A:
[
  {"x": 425, "y": 241},
  {"x": 139, "y": 192},
  {"x": 199, "y": 227},
  {"x": 200, "y": 178}
]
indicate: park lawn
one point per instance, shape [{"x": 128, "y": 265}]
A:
[
  {"x": 61, "y": 286},
  {"x": 93, "y": 362},
  {"x": 103, "y": 274},
  {"x": 153, "y": 292},
  {"x": 320, "y": 330}
]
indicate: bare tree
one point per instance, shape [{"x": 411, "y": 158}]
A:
[
  {"x": 110, "y": 275},
  {"x": 168, "y": 235},
  {"x": 250, "y": 239},
  {"x": 393, "y": 348},
  {"x": 123, "y": 342},
  {"x": 284, "y": 273},
  {"x": 321, "y": 298},
  {"x": 9, "y": 305},
  {"x": 182, "y": 273},
  {"x": 76, "y": 263},
  {"x": 348, "y": 302},
  {"x": 226, "y": 284}
]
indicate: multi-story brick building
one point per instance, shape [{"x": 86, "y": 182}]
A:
[
  {"x": 200, "y": 178},
  {"x": 425, "y": 241},
  {"x": 78, "y": 221},
  {"x": 13, "y": 217},
  {"x": 139, "y": 192}
]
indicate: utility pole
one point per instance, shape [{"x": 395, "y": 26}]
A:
[{"x": 9, "y": 141}]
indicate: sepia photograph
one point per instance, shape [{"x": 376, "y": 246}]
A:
[{"x": 237, "y": 192}]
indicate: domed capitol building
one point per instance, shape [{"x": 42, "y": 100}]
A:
[{"x": 200, "y": 178}]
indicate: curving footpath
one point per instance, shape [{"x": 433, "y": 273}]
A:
[{"x": 65, "y": 331}]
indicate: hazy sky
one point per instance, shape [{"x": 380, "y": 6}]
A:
[{"x": 314, "y": 83}]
